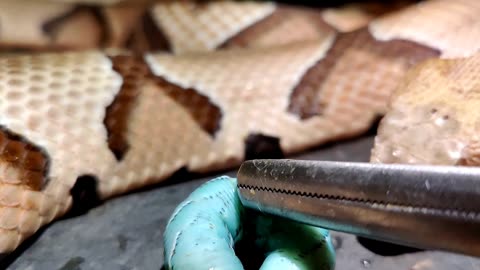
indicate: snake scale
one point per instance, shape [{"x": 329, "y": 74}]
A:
[{"x": 193, "y": 85}]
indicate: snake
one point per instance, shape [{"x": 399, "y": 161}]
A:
[{"x": 118, "y": 95}]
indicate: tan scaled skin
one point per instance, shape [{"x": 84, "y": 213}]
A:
[
  {"x": 434, "y": 116},
  {"x": 179, "y": 26}
]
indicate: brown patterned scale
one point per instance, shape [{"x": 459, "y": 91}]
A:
[
  {"x": 130, "y": 120},
  {"x": 22, "y": 162},
  {"x": 136, "y": 73},
  {"x": 169, "y": 25},
  {"x": 370, "y": 61}
]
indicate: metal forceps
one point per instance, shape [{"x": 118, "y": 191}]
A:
[{"x": 430, "y": 207}]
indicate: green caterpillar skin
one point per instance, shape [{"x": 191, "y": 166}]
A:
[{"x": 204, "y": 228}]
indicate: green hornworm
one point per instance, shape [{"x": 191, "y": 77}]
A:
[{"x": 204, "y": 229}]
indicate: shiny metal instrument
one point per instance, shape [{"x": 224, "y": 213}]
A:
[{"x": 431, "y": 207}]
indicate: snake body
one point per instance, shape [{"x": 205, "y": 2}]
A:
[
  {"x": 128, "y": 119},
  {"x": 438, "y": 124}
]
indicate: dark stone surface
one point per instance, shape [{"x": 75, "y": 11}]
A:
[{"x": 126, "y": 232}]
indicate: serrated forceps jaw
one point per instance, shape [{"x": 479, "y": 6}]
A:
[{"x": 432, "y": 207}]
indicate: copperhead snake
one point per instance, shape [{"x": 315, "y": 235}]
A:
[{"x": 234, "y": 72}]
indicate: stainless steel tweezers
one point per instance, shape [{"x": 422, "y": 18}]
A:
[{"x": 430, "y": 207}]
